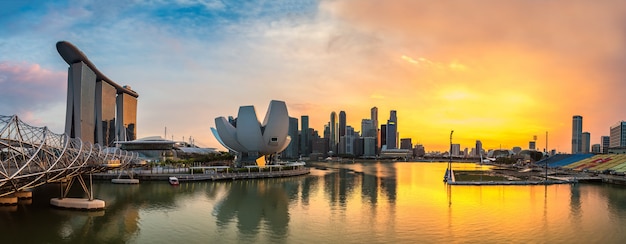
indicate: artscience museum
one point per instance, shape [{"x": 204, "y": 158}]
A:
[{"x": 252, "y": 139}]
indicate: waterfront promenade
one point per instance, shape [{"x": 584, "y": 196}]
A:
[{"x": 183, "y": 175}]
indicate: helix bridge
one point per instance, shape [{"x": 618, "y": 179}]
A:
[{"x": 31, "y": 156}]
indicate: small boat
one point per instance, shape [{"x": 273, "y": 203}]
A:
[{"x": 173, "y": 180}]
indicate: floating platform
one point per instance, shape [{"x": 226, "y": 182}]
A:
[
  {"x": 507, "y": 183},
  {"x": 125, "y": 181},
  {"x": 78, "y": 203}
]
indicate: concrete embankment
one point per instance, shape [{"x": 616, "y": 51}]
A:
[
  {"x": 613, "y": 179},
  {"x": 209, "y": 177}
]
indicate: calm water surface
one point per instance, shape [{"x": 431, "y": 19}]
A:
[{"x": 339, "y": 203}]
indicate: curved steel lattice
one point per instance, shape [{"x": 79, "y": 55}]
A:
[{"x": 32, "y": 156}]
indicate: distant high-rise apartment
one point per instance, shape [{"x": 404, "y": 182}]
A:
[
  {"x": 577, "y": 134},
  {"x": 586, "y": 140},
  {"x": 618, "y": 135},
  {"x": 305, "y": 139},
  {"x": 604, "y": 144},
  {"x": 532, "y": 145}
]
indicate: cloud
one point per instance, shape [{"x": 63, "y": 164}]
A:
[
  {"x": 28, "y": 88},
  {"x": 532, "y": 59}
]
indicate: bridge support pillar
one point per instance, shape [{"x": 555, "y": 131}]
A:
[
  {"x": 24, "y": 194},
  {"x": 8, "y": 200},
  {"x": 78, "y": 203}
]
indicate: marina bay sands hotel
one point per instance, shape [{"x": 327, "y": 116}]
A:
[{"x": 98, "y": 110}]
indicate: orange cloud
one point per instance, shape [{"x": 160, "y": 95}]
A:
[{"x": 505, "y": 70}]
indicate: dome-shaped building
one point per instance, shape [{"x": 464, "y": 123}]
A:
[{"x": 252, "y": 139}]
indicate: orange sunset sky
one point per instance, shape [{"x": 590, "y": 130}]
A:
[{"x": 496, "y": 71}]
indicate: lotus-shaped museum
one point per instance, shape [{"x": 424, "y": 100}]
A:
[{"x": 247, "y": 136}]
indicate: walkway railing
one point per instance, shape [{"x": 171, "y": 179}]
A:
[{"x": 31, "y": 156}]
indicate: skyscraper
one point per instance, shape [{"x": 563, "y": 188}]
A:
[
  {"x": 334, "y": 135},
  {"x": 126, "y": 117},
  {"x": 305, "y": 140},
  {"x": 367, "y": 128},
  {"x": 369, "y": 146},
  {"x": 292, "y": 149},
  {"x": 586, "y": 141},
  {"x": 391, "y": 135},
  {"x": 392, "y": 116},
  {"x": 342, "y": 131},
  {"x": 374, "y": 118},
  {"x": 326, "y": 131},
  {"x": 342, "y": 123},
  {"x": 392, "y": 130},
  {"x": 577, "y": 134},
  {"x": 383, "y": 136}
]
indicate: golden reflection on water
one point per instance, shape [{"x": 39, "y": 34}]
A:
[{"x": 409, "y": 202}]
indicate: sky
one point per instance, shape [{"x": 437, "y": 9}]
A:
[{"x": 491, "y": 70}]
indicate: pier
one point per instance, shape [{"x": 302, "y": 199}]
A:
[{"x": 508, "y": 183}]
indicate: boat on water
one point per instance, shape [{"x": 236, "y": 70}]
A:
[{"x": 173, "y": 180}]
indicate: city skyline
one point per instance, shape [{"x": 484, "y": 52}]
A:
[{"x": 517, "y": 70}]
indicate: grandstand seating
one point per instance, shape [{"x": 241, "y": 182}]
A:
[{"x": 566, "y": 159}]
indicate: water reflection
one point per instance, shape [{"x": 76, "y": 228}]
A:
[
  {"x": 575, "y": 205},
  {"x": 336, "y": 203},
  {"x": 252, "y": 203},
  {"x": 373, "y": 179}
]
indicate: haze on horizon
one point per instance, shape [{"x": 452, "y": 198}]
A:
[{"x": 496, "y": 71}]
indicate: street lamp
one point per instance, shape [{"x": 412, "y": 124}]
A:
[{"x": 449, "y": 170}]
